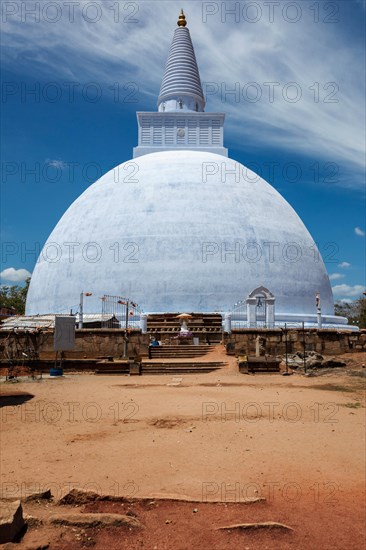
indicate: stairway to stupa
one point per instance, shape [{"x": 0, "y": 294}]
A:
[
  {"x": 165, "y": 359},
  {"x": 166, "y": 326}
]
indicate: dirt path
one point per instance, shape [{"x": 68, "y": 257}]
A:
[{"x": 298, "y": 442}]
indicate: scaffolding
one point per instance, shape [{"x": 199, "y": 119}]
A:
[
  {"x": 20, "y": 353},
  {"x": 119, "y": 312}
]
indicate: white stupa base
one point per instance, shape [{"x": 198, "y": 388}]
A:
[{"x": 294, "y": 320}]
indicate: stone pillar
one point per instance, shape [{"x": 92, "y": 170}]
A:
[
  {"x": 270, "y": 312},
  {"x": 319, "y": 317},
  {"x": 257, "y": 346},
  {"x": 143, "y": 323},
  {"x": 227, "y": 325},
  {"x": 251, "y": 312}
]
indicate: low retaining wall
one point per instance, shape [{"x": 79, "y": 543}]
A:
[
  {"x": 98, "y": 343},
  {"x": 89, "y": 343},
  {"x": 272, "y": 342}
]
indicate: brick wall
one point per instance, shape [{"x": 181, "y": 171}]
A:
[
  {"x": 324, "y": 341},
  {"x": 89, "y": 343}
]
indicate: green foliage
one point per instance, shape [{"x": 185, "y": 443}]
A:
[
  {"x": 354, "y": 311},
  {"x": 14, "y": 297}
]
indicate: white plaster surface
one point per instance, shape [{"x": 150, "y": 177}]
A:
[{"x": 155, "y": 221}]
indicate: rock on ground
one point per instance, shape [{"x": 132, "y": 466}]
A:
[
  {"x": 11, "y": 520},
  {"x": 94, "y": 520}
]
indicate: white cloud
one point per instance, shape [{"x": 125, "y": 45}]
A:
[
  {"x": 347, "y": 290},
  {"x": 344, "y": 264},
  {"x": 56, "y": 163},
  {"x": 229, "y": 54},
  {"x": 335, "y": 276},
  {"x": 345, "y": 301},
  {"x": 359, "y": 232},
  {"x": 15, "y": 275}
]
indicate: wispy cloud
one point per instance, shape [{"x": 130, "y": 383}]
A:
[
  {"x": 59, "y": 164},
  {"x": 348, "y": 291},
  {"x": 335, "y": 276},
  {"x": 327, "y": 122},
  {"x": 344, "y": 265},
  {"x": 359, "y": 232},
  {"x": 15, "y": 275}
]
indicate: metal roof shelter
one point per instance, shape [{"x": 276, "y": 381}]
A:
[{"x": 34, "y": 322}]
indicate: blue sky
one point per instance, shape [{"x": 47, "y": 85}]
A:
[{"x": 289, "y": 75}]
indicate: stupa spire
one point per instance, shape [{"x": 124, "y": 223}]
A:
[
  {"x": 182, "y": 19},
  {"x": 181, "y": 87},
  {"x": 180, "y": 123}
]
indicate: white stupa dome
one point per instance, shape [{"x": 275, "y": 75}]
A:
[
  {"x": 181, "y": 227},
  {"x": 177, "y": 231}
]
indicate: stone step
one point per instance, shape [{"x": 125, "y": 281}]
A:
[
  {"x": 184, "y": 346},
  {"x": 146, "y": 366},
  {"x": 180, "y": 364},
  {"x": 178, "y": 351},
  {"x": 197, "y": 331},
  {"x": 177, "y": 356},
  {"x": 117, "y": 371},
  {"x": 181, "y": 367},
  {"x": 253, "y": 368},
  {"x": 180, "y": 371}
]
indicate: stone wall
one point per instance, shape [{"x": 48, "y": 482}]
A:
[
  {"x": 272, "y": 342},
  {"x": 89, "y": 343},
  {"x": 98, "y": 343}
]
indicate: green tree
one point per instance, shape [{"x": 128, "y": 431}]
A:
[
  {"x": 354, "y": 311},
  {"x": 14, "y": 297}
]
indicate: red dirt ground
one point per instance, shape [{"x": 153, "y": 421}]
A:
[{"x": 194, "y": 437}]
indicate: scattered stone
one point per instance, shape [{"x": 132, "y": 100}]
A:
[
  {"x": 32, "y": 521},
  {"x": 314, "y": 364},
  {"x": 168, "y": 521},
  {"x": 94, "y": 520},
  {"x": 252, "y": 500},
  {"x": 264, "y": 525},
  {"x": 77, "y": 497},
  {"x": 195, "y": 510},
  {"x": 11, "y": 521},
  {"x": 315, "y": 354},
  {"x": 43, "y": 495},
  {"x": 333, "y": 363},
  {"x": 362, "y": 374}
]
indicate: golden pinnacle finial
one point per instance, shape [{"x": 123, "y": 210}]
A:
[{"x": 182, "y": 19}]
